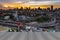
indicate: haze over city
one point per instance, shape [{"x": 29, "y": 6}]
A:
[{"x": 6, "y": 4}]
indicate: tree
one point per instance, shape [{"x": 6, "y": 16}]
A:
[
  {"x": 42, "y": 19},
  {"x": 12, "y": 18}
]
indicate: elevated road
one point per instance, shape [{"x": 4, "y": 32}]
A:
[
  {"x": 29, "y": 36},
  {"x": 43, "y": 24},
  {"x": 14, "y": 24}
]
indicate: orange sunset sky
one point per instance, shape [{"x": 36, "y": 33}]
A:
[
  {"x": 32, "y": 4},
  {"x": 18, "y": 5}
]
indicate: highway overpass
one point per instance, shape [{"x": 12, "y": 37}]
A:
[{"x": 14, "y": 23}]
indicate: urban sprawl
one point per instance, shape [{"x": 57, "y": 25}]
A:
[{"x": 34, "y": 20}]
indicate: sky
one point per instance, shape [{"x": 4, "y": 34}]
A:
[
  {"x": 24, "y": 3},
  {"x": 18, "y": 1}
]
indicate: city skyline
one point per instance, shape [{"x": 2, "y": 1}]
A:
[{"x": 28, "y": 3}]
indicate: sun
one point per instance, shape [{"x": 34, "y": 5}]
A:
[{"x": 6, "y": 6}]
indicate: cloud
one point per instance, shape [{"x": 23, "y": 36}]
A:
[
  {"x": 5, "y": 0},
  {"x": 1, "y": 5},
  {"x": 24, "y": 0},
  {"x": 12, "y": 0},
  {"x": 43, "y": 3},
  {"x": 44, "y": 0},
  {"x": 33, "y": 2}
]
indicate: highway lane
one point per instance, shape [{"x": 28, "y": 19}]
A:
[{"x": 29, "y": 36}]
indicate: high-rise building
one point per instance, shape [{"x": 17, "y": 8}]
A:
[
  {"x": 48, "y": 9},
  {"x": 51, "y": 7}
]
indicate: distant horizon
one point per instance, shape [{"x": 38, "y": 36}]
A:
[
  {"x": 31, "y": 7},
  {"x": 11, "y": 4}
]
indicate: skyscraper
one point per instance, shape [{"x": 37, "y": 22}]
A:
[{"x": 51, "y": 7}]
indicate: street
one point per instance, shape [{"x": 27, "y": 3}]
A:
[{"x": 29, "y": 36}]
